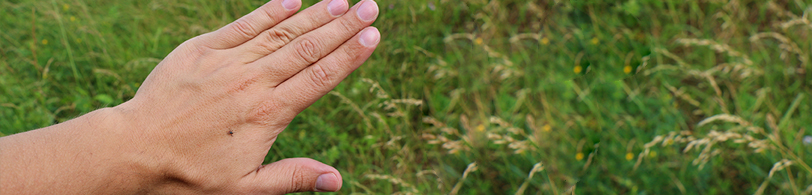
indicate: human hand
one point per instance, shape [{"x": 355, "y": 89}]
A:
[{"x": 204, "y": 119}]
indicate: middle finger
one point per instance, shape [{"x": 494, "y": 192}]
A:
[
  {"x": 314, "y": 45},
  {"x": 274, "y": 38}
]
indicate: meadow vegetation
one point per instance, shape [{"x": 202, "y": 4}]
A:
[{"x": 483, "y": 96}]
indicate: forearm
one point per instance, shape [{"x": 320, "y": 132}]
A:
[{"x": 74, "y": 157}]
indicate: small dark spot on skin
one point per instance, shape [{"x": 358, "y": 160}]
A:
[{"x": 231, "y": 133}]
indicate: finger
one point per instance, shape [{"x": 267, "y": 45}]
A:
[
  {"x": 284, "y": 32},
  {"x": 314, "y": 45},
  {"x": 250, "y": 25},
  {"x": 301, "y": 90},
  {"x": 294, "y": 175}
]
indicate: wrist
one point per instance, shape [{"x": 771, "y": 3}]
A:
[
  {"x": 133, "y": 162},
  {"x": 91, "y": 154},
  {"x": 114, "y": 152}
]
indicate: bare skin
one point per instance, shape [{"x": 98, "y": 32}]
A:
[{"x": 204, "y": 119}]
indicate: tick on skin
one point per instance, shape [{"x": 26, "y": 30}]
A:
[{"x": 231, "y": 133}]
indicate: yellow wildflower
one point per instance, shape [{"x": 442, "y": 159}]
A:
[
  {"x": 546, "y": 128},
  {"x": 72, "y": 18},
  {"x": 629, "y": 156},
  {"x": 579, "y": 156},
  {"x": 478, "y": 41},
  {"x": 652, "y": 154},
  {"x": 45, "y": 41},
  {"x": 480, "y": 128},
  {"x": 577, "y": 69},
  {"x": 65, "y": 7},
  {"x": 595, "y": 41},
  {"x": 627, "y": 69},
  {"x": 545, "y": 41}
]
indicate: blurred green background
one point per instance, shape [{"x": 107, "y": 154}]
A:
[{"x": 483, "y": 96}]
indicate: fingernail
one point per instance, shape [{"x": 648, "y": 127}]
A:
[
  {"x": 337, "y": 7},
  {"x": 291, "y": 4},
  {"x": 370, "y": 37},
  {"x": 327, "y": 183},
  {"x": 368, "y": 11}
]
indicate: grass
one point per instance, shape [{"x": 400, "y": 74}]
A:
[{"x": 483, "y": 97}]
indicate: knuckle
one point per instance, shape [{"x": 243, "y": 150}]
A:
[
  {"x": 272, "y": 71},
  {"x": 265, "y": 113},
  {"x": 319, "y": 76},
  {"x": 244, "y": 28},
  {"x": 308, "y": 50},
  {"x": 196, "y": 47},
  {"x": 350, "y": 54},
  {"x": 347, "y": 26},
  {"x": 276, "y": 38},
  {"x": 297, "y": 179},
  {"x": 268, "y": 13},
  {"x": 272, "y": 113}
]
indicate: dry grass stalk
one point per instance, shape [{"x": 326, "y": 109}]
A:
[
  {"x": 440, "y": 69},
  {"x": 743, "y": 133},
  {"x": 396, "y": 111},
  {"x": 390, "y": 104},
  {"x": 719, "y": 47},
  {"x": 739, "y": 70},
  {"x": 397, "y": 181},
  {"x": 433, "y": 121},
  {"x": 803, "y": 20},
  {"x": 534, "y": 36},
  {"x": 643, "y": 65},
  {"x": 726, "y": 118},
  {"x": 354, "y": 107},
  {"x": 713, "y": 137},
  {"x": 786, "y": 45},
  {"x": 714, "y": 85},
  {"x": 779, "y": 11},
  {"x": 432, "y": 172},
  {"x": 537, "y": 168},
  {"x": 471, "y": 168},
  {"x": 668, "y": 54},
  {"x": 449, "y": 138},
  {"x": 450, "y": 38},
  {"x": 571, "y": 190},
  {"x": 664, "y": 140},
  {"x": 376, "y": 87},
  {"x": 535, "y": 9},
  {"x": 515, "y": 138},
  {"x": 679, "y": 93},
  {"x": 365, "y": 188},
  {"x": 778, "y": 166},
  {"x": 505, "y": 69},
  {"x": 382, "y": 121},
  {"x": 591, "y": 155},
  {"x": 796, "y": 21}
]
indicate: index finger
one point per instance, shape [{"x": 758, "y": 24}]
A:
[{"x": 250, "y": 25}]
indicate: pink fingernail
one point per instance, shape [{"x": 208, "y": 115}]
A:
[
  {"x": 291, "y": 4},
  {"x": 337, "y": 7},
  {"x": 368, "y": 11},
  {"x": 370, "y": 37},
  {"x": 327, "y": 183}
]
